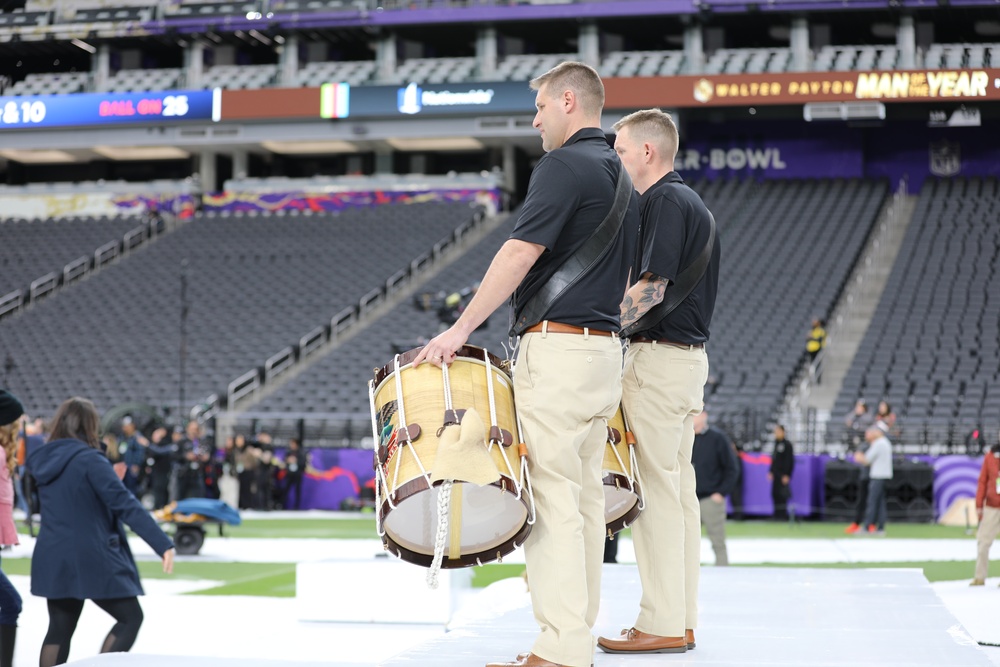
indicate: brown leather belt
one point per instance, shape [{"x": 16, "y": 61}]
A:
[
  {"x": 685, "y": 346},
  {"x": 559, "y": 327}
]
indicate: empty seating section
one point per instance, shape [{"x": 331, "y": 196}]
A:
[
  {"x": 931, "y": 349},
  {"x": 34, "y": 248},
  {"x": 337, "y": 382},
  {"x": 434, "y": 70},
  {"x": 844, "y": 58},
  {"x": 197, "y": 9},
  {"x": 352, "y": 72},
  {"x": 290, "y": 6},
  {"x": 787, "y": 250},
  {"x": 953, "y": 56},
  {"x": 64, "y": 5},
  {"x": 643, "y": 63},
  {"x": 129, "y": 80},
  {"x": 240, "y": 76},
  {"x": 18, "y": 19},
  {"x": 114, "y": 14},
  {"x": 57, "y": 83},
  {"x": 513, "y": 68},
  {"x": 527, "y": 67},
  {"x": 255, "y": 286},
  {"x": 778, "y": 270},
  {"x": 748, "y": 61}
]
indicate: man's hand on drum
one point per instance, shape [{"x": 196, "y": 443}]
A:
[{"x": 442, "y": 348}]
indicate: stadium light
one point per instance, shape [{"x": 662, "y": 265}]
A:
[
  {"x": 142, "y": 152},
  {"x": 435, "y": 144},
  {"x": 83, "y": 45},
  {"x": 310, "y": 147},
  {"x": 39, "y": 156}
]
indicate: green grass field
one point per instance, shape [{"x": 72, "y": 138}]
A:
[
  {"x": 364, "y": 528},
  {"x": 339, "y": 528},
  {"x": 278, "y": 579}
]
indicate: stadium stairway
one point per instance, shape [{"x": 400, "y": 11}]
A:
[
  {"x": 817, "y": 387},
  {"x": 403, "y": 296}
]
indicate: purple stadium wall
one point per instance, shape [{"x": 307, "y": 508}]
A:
[{"x": 778, "y": 150}]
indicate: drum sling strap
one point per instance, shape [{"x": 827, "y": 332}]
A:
[
  {"x": 681, "y": 288},
  {"x": 580, "y": 262}
]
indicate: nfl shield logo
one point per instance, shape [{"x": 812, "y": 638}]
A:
[{"x": 946, "y": 158}]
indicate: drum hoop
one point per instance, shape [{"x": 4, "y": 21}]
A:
[
  {"x": 625, "y": 520},
  {"x": 465, "y": 560},
  {"x": 471, "y": 352},
  {"x": 419, "y": 484},
  {"x": 415, "y": 486}
]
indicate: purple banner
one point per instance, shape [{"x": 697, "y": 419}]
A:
[
  {"x": 772, "y": 150},
  {"x": 805, "y": 499},
  {"x": 182, "y": 206},
  {"x": 335, "y": 475},
  {"x": 339, "y": 474},
  {"x": 955, "y": 477},
  {"x": 918, "y": 152},
  {"x": 261, "y": 202}
]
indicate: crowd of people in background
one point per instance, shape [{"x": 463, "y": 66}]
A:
[{"x": 180, "y": 462}]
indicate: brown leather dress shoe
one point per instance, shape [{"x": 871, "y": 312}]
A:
[
  {"x": 633, "y": 641},
  {"x": 526, "y": 660},
  {"x": 689, "y": 638}
]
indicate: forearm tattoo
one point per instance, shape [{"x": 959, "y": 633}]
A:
[
  {"x": 651, "y": 293},
  {"x": 629, "y": 311}
]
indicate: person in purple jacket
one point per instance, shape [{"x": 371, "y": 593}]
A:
[{"x": 82, "y": 552}]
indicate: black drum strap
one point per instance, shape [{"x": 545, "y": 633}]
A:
[{"x": 580, "y": 262}]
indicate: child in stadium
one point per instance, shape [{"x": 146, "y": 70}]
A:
[{"x": 10, "y": 602}]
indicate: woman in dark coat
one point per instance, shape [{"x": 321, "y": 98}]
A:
[{"x": 82, "y": 552}]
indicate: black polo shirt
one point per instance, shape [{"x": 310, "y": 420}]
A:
[
  {"x": 674, "y": 229},
  {"x": 571, "y": 190}
]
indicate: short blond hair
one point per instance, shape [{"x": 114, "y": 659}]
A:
[
  {"x": 578, "y": 77},
  {"x": 652, "y": 126}
]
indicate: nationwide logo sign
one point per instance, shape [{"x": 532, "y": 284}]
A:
[
  {"x": 799, "y": 88},
  {"x": 412, "y": 99},
  {"x": 428, "y": 99}
]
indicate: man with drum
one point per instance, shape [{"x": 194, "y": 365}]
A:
[
  {"x": 666, "y": 368},
  {"x": 567, "y": 378}
]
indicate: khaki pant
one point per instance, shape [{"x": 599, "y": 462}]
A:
[
  {"x": 662, "y": 390},
  {"x": 989, "y": 527},
  {"x": 566, "y": 387},
  {"x": 713, "y": 515}
]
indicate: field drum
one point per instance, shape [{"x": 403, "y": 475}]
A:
[
  {"x": 622, "y": 493},
  {"x": 485, "y": 522}
]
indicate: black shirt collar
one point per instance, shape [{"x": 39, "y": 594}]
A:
[
  {"x": 669, "y": 177},
  {"x": 586, "y": 133}
]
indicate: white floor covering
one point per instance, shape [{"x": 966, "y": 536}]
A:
[{"x": 259, "y": 632}]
